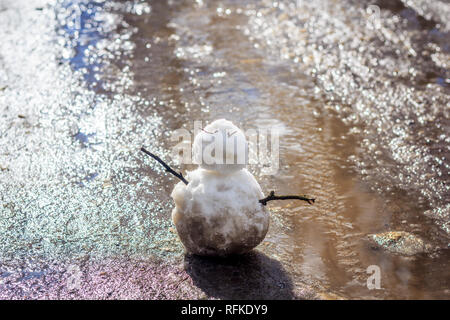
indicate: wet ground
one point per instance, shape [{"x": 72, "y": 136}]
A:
[{"x": 359, "y": 91}]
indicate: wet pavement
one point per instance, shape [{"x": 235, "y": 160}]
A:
[{"x": 359, "y": 91}]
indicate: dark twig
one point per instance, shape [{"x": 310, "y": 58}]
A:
[
  {"x": 168, "y": 169},
  {"x": 272, "y": 196}
]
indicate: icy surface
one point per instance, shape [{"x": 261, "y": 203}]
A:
[
  {"x": 70, "y": 182},
  {"x": 381, "y": 67}
]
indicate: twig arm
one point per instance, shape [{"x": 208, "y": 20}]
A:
[
  {"x": 264, "y": 201},
  {"x": 272, "y": 196},
  {"x": 165, "y": 165}
]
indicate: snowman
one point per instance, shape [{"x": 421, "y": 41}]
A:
[{"x": 219, "y": 209}]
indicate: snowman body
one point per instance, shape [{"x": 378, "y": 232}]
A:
[{"x": 218, "y": 213}]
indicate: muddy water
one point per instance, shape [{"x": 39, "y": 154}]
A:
[{"x": 367, "y": 141}]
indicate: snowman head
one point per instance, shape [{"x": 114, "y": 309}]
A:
[{"x": 221, "y": 147}]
